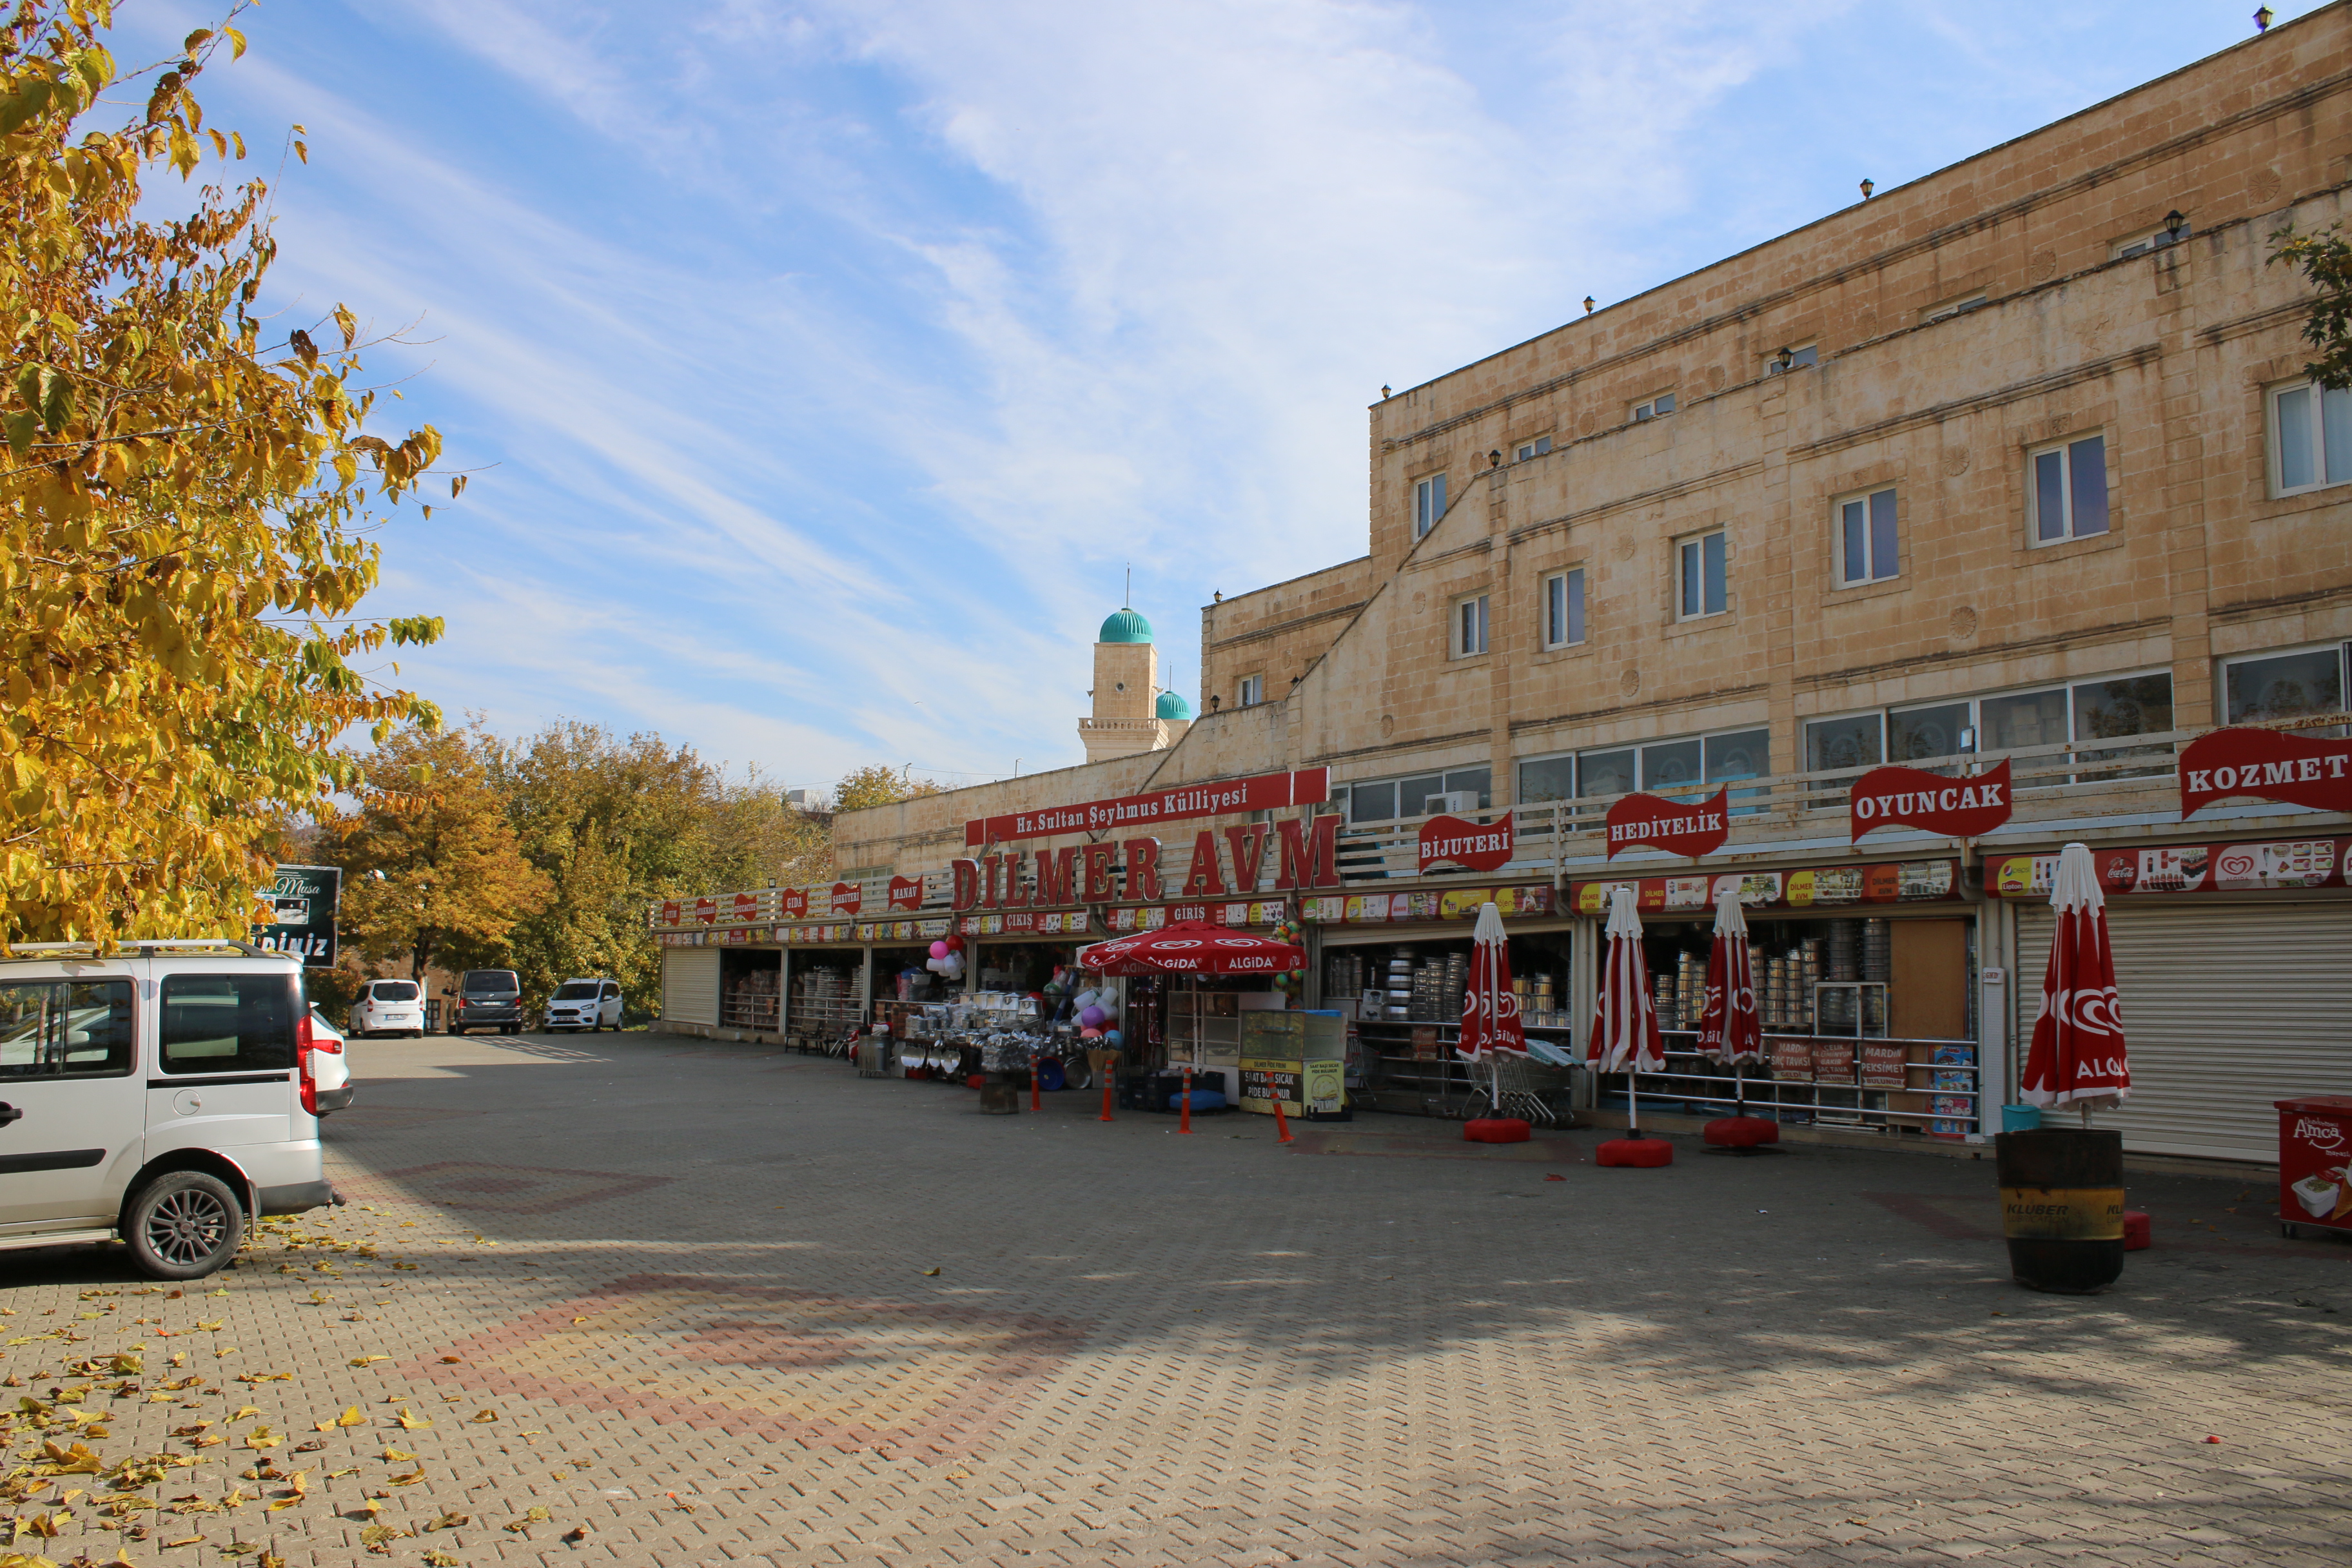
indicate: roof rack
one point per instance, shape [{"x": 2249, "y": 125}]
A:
[{"x": 149, "y": 947}]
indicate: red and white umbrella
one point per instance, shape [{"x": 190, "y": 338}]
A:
[
  {"x": 1731, "y": 1030},
  {"x": 1490, "y": 1009},
  {"x": 2077, "y": 1057},
  {"x": 1625, "y": 1036},
  {"x": 1192, "y": 947}
]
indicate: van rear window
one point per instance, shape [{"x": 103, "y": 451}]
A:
[
  {"x": 228, "y": 1022},
  {"x": 395, "y": 991},
  {"x": 54, "y": 1028},
  {"x": 479, "y": 981}
]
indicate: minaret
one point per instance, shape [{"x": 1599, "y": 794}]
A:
[{"x": 1126, "y": 690}]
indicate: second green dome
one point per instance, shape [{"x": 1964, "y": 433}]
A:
[{"x": 1172, "y": 707}]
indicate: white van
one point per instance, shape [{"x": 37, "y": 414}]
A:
[
  {"x": 389, "y": 1007},
  {"x": 590, "y": 1003},
  {"x": 160, "y": 1097}
]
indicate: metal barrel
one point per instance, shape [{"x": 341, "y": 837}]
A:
[{"x": 2062, "y": 1203}]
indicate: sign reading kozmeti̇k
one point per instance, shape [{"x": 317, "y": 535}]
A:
[
  {"x": 1265, "y": 791},
  {"x": 1966, "y": 807},
  {"x": 2295, "y": 770},
  {"x": 1678, "y": 826}
]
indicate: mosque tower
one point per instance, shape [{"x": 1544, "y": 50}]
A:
[{"x": 1131, "y": 713}]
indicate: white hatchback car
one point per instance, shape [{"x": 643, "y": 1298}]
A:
[
  {"x": 590, "y": 1003},
  {"x": 160, "y": 1097},
  {"x": 389, "y": 1007}
]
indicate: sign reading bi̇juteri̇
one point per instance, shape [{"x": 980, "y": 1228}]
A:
[
  {"x": 1966, "y": 807},
  {"x": 1481, "y": 847},
  {"x": 1678, "y": 826}
]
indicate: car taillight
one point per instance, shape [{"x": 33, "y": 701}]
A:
[{"x": 308, "y": 1043}]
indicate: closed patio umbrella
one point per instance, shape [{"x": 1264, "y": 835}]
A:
[
  {"x": 2077, "y": 1056},
  {"x": 1490, "y": 1008},
  {"x": 1731, "y": 1030},
  {"x": 1625, "y": 1036}
]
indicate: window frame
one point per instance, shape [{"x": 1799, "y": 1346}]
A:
[
  {"x": 1832, "y": 795},
  {"x": 239, "y": 1061},
  {"x": 1428, "y": 504},
  {"x": 2161, "y": 238},
  {"x": 1948, "y": 309},
  {"x": 1471, "y": 624},
  {"x": 2275, "y": 445},
  {"x": 1806, "y": 355},
  {"x": 1528, "y": 451},
  {"x": 1249, "y": 691},
  {"x": 1684, "y": 546},
  {"x": 1707, "y": 779},
  {"x": 64, "y": 1071},
  {"x": 1567, "y": 615},
  {"x": 1648, "y": 409},
  {"x": 1394, "y": 783},
  {"x": 2340, "y": 647},
  {"x": 1841, "y": 576},
  {"x": 2064, "y": 450}
]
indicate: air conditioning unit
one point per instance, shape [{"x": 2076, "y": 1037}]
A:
[{"x": 1451, "y": 800}]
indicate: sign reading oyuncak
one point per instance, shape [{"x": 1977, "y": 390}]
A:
[
  {"x": 1678, "y": 826},
  {"x": 1485, "y": 847},
  {"x": 2295, "y": 770},
  {"x": 1965, "y": 807}
]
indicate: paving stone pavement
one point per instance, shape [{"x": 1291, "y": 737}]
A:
[{"x": 712, "y": 1304}]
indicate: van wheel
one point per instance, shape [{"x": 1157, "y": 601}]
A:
[{"x": 184, "y": 1225}]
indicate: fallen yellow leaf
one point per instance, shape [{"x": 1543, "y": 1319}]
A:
[
  {"x": 368, "y": 1359},
  {"x": 480, "y": 1416},
  {"x": 351, "y": 1417}
]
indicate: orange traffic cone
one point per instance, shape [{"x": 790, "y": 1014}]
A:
[
  {"x": 1108, "y": 1077},
  {"x": 1281, "y": 1122},
  {"x": 1036, "y": 1099}
]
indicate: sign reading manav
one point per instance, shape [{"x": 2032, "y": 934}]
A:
[
  {"x": 847, "y": 898},
  {"x": 1481, "y": 849},
  {"x": 2295, "y": 770},
  {"x": 1265, "y": 791},
  {"x": 302, "y": 901},
  {"x": 1678, "y": 826},
  {"x": 1912, "y": 797},
  {"x": 906, "y": 892}
]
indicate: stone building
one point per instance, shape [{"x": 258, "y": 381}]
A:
[{"x": 2017, "y": 462}]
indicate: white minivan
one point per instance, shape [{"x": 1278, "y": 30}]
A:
[
  {"x": 161, "y": 1097},
  {"x": 590, "y": 1003},
  {"x": 389, "y": 1007}
]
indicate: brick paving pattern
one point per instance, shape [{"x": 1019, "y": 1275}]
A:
[{"x": 631, "y": 1300}]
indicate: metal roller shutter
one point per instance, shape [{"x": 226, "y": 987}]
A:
[
  {"x": 2226, "y": 1007},
  {"x": 690, "y": 985}
]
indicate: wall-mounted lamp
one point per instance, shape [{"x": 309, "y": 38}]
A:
[
  {"x": 1588, "y": 304},
  {"x": 2176, "y": 224},
  {"x": 1785, "y": 358},
  {"x": 2262, "y": 16},
  {"x": 1866, "y": 188},
  {"x": 1494, "y": 459}
]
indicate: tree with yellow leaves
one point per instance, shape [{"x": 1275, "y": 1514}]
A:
[{"x": 181, "y": 491}]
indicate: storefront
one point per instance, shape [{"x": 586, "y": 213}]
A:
[
  {"x": 1866, "y": 979},
  {"x": 2230, "y": 968}
]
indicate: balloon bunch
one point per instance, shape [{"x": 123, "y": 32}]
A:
[
  {"x": 947, "y": 958},
  {"x": 1097, "y": 1011},
  {"x": 1289, "y": 982}
]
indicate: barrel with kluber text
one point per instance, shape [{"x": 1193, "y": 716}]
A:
[{"x": 2062, "y": 1206}]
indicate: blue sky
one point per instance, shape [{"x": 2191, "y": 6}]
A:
[{"x": 826, "y": 364}]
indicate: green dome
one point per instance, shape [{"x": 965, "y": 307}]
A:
[
  {"x": 1173, "y": 707},
  {"x": 1125, "y": 625}
]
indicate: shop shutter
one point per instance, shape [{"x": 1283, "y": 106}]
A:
[
  {"x": 690, "y": 985},
  {"x": 2226, "y": 1007}
]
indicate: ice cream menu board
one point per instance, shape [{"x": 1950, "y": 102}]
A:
[
  {"x": 1888, "y": 882},
  {"x": 2314, "y": 1151},
  {"x": 2273, "y": 864}
]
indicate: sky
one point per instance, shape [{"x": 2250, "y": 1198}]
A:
[{"x": 823, "y": 366}]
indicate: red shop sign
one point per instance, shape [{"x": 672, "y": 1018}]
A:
[
  {"x": 846, "y": 898},
  {"x": 706, "y": 910},
  {"x": 2263, "y": 866},
  {"x": 794, "y": 903},
  {"x": 1266, "y": 792},
  {"x": 1912, "y": 797},
  {"x": 906, "y": 892},
  {"x": 1481, "y": 849},
  {"x": 670, "y": 913},
  {"x": 747, "y": 908},
  {"x": 1677, "y": 827},
  {"x": 2268, "y": 765}
]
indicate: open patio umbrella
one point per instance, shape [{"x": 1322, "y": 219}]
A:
[
  {"x": 2077, "y": 1056},
  {"x": 1192, "y": 947},
  {"x": 1731, "y": 1030},
  {"x": 1625, "y": 1036},
  {"x": 1490, "y": 1008}
]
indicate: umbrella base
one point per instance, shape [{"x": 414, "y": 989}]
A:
[
  {"x": 1741, "y": 1134},
  {"x": 1496, "y": 1129},
  {"x": 1644, "y": 1153}
]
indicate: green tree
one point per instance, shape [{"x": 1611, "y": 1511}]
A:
[
  {"x": 183, "y": 503},
  {"x": 434, "y": 876},
  {"x": 2324, "y": 259},
  {"x": 877, "y": 784}
]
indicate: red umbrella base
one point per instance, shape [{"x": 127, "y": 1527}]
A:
[
  {"x": 2137, "y": 1234},
  {"x": 1740, "y": 1133},
  {"x": 1495, "y": 1130},
  {"x": 1641, "y": 1152}
]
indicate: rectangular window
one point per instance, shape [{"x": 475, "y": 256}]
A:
[
  {"x": 1671, "y": 764},
  {"x": 2283, "y": 686},
  {"x": 1428, "y": 504},
  {"x": 1741, "y": 754},
  {"x": 2025, "y": 719},
  {"x": 1951, "y": 308},
  {"x": 1564, "y": 609},
  {"x": 1547, "y": 778},
  {"x": 229, "y": 1023},
  {"x": 56, "y": 1028},
  {"x": 1656, "y": 407},
  {"x": 1372, "y": 802},
  {"x": 1798, "y": 359},
  {"x": 1853, "y": 743},
  {"x": 2068, "y": 489},
  {"x": 1251, "y": 692},
  {"x": 1920, "y": 734},
  {"x": 2311, "y": 437},
  {"x": 1867, "y": 545},
  {"x": 1534, "y": 448},
  {"x": 1703, "y": 589},
  {"x": 1606, "y": 773},
  {"x": 1470, "y": 627},
  {"x": 2155, "y": 239}
]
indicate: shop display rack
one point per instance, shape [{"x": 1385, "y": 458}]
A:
[{"x": 1866, "y": 1083}]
